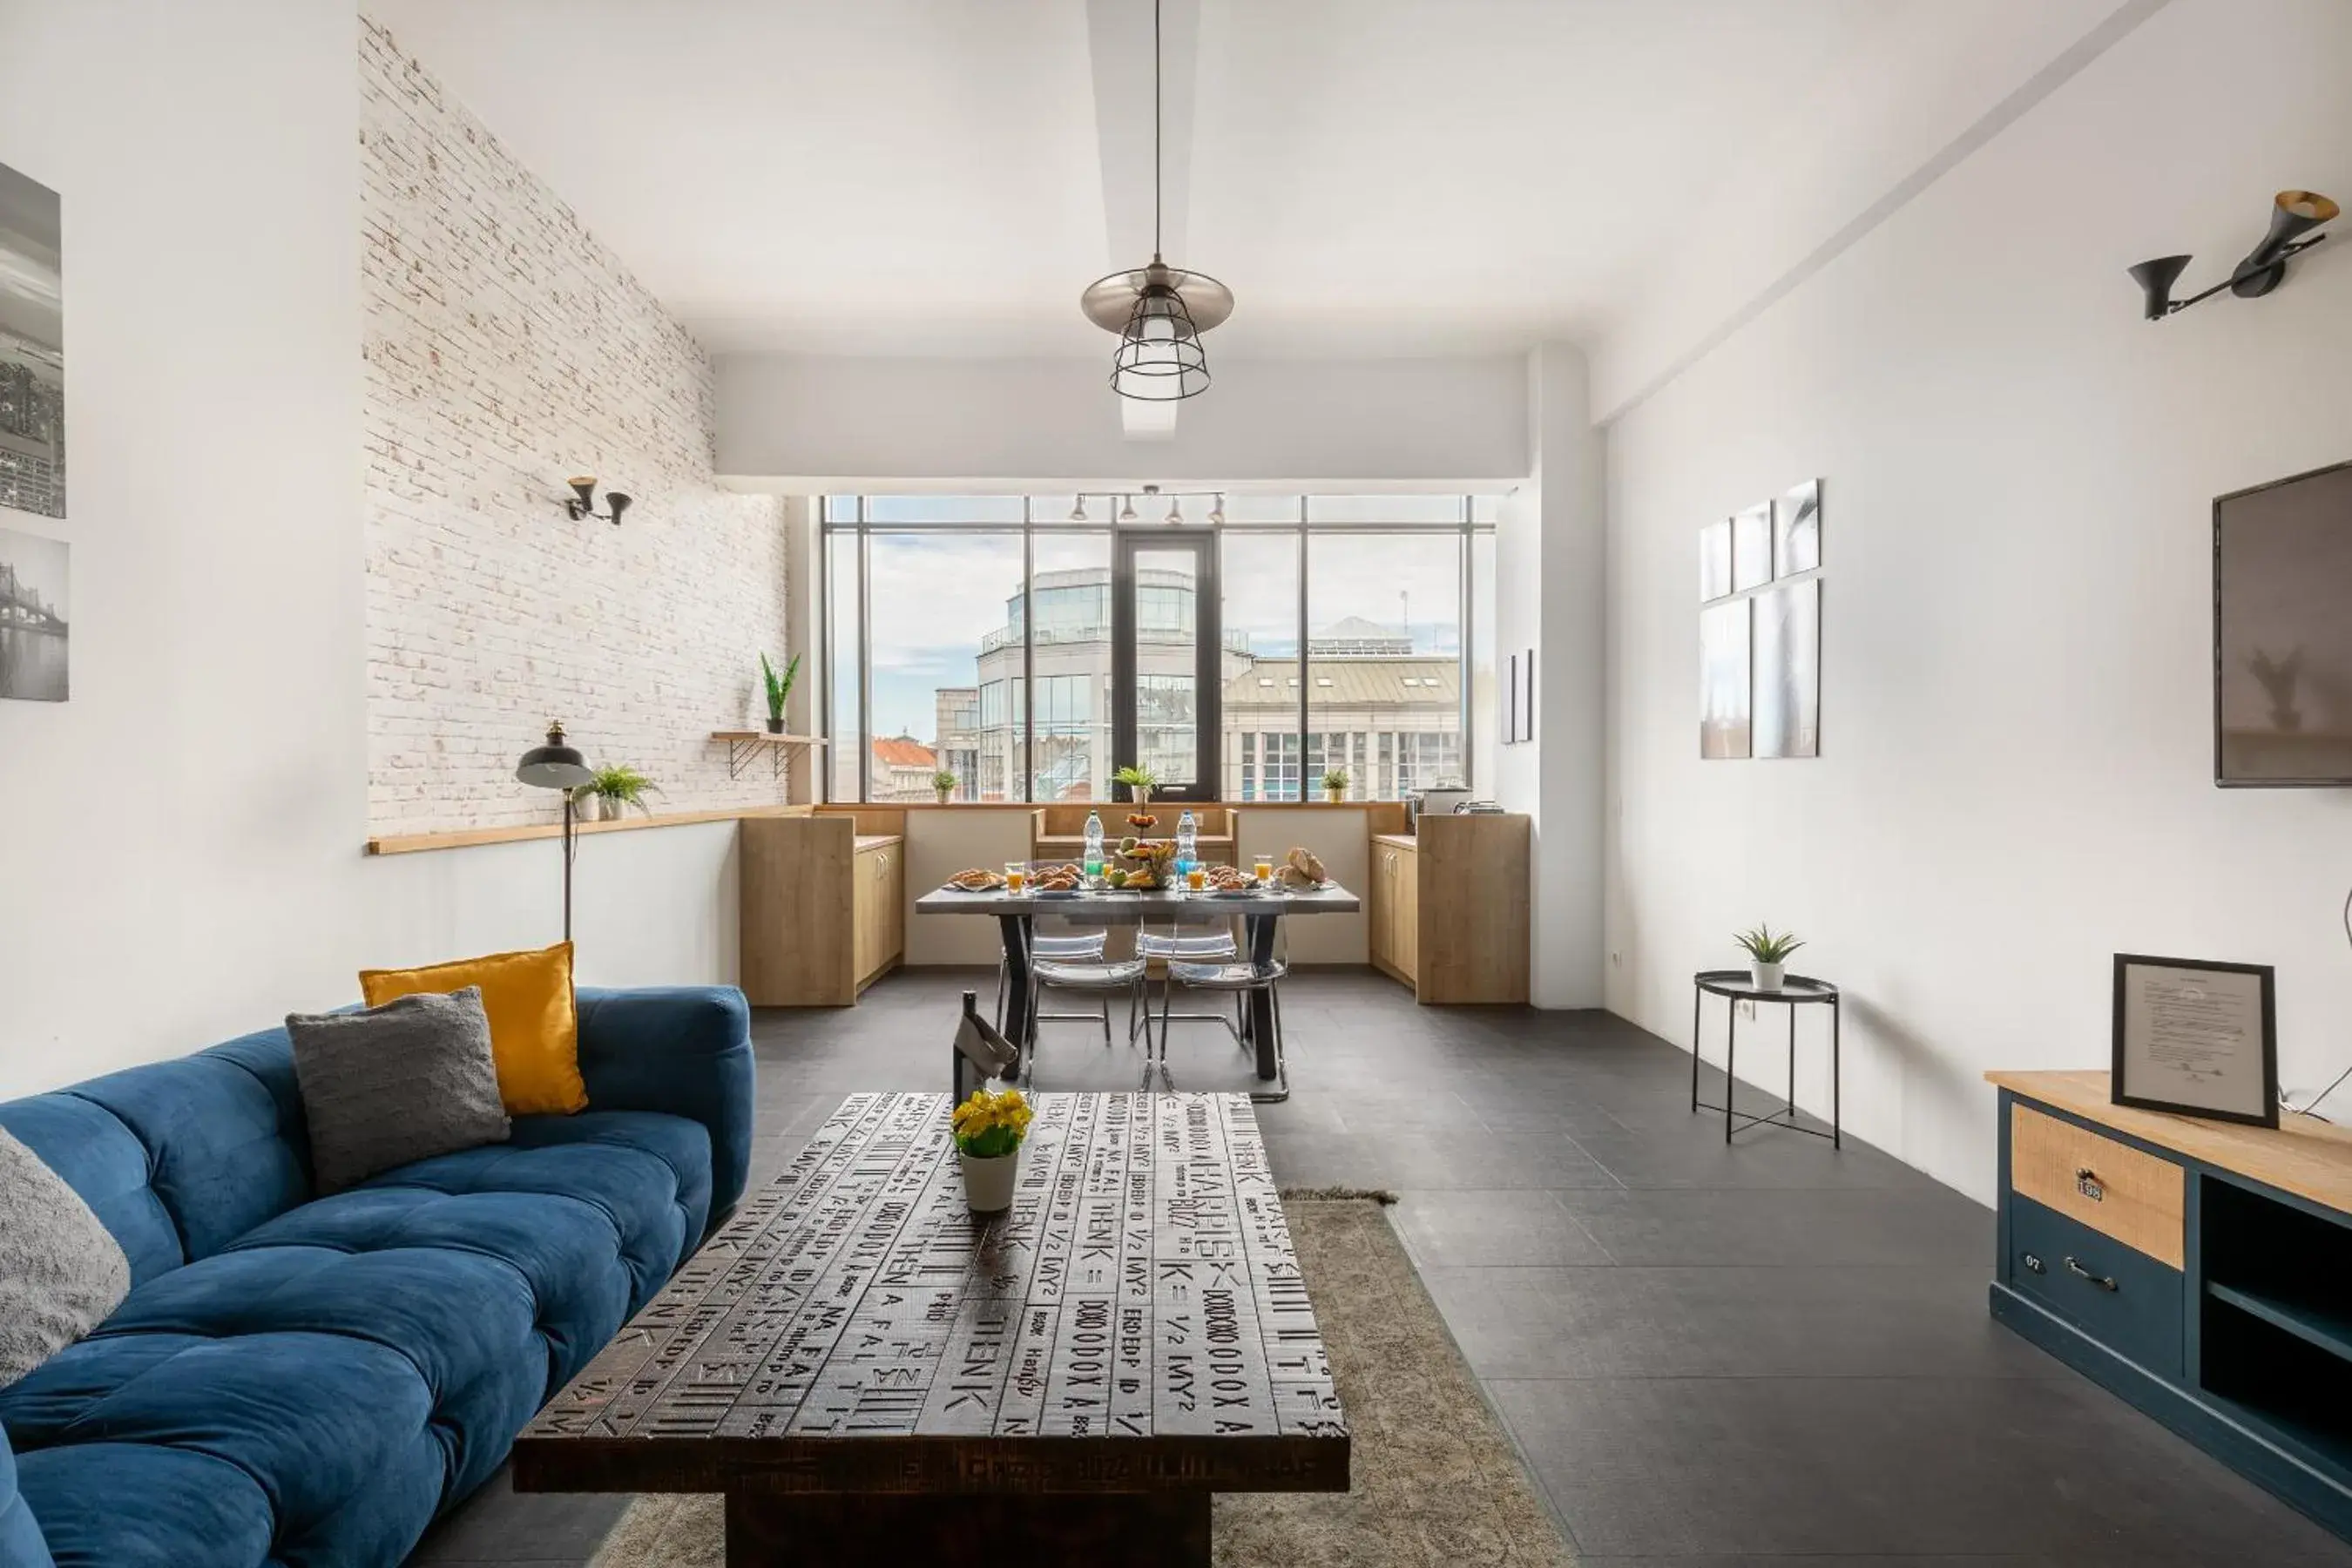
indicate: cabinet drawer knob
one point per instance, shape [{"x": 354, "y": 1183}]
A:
[
  {"x": 2087, "y": 1183},
  {"x": 2103, "y": 1281}
]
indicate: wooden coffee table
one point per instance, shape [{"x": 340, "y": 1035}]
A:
[{"x": 871, "y": 1374}]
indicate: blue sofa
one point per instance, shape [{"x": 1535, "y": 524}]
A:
[{"x": 309, "y": 1382}]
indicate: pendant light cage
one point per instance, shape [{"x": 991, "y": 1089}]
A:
[{"x": 1160, "y": 358}]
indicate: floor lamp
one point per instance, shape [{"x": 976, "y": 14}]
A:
[{"x": 556, "y": 765}]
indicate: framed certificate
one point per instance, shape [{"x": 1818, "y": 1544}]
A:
[{"x": 2196, "y": 1038}]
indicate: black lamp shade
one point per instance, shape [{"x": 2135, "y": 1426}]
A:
[
  {"x": 2155, "y": 279},
  {"x": 554, "y": 765},
  {"x": 616, "y": 504},
  {"x": 2293, "y": 213}
]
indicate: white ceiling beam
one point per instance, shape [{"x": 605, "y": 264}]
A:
[{"x": 1119, "y": 40}]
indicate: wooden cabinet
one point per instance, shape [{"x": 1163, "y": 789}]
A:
[
  {"x": 1449, "y": 907},
  {"x": 878, "y": 901},
  {"x": 1395, "y": 923},
  {"x": 823, "y": 910}
]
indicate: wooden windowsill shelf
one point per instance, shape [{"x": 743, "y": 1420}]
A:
[
  {"x": 470, "y": 837},
  {"x": 742, "y": 746}
]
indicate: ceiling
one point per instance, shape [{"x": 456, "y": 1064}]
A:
[{"x": 1372, "y": 177}]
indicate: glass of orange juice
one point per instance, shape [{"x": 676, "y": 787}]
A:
[
  {"x": 1196, "y": 876},
  {"x": 1264, "y": 867},
  {"x": 1016, "y": 875}
]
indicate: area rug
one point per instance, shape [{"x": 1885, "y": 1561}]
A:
[{"x": 1436, "y": 1481}]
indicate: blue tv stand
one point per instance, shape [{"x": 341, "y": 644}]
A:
[{"x": 2203, "y": 1271}]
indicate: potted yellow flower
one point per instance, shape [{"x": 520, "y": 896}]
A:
[{"x": 989, "y": 1128}]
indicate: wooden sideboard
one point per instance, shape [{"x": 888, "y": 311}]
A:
[
  {"x": 1449, "y": 907},
  {"x": 824, "y": 910},
  {"x": 2203, "y": 1271}
]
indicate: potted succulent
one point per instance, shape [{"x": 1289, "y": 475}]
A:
[
  {"x": 780, "y": 688},
  {"x": 1768, "y": 955},
  {"x": 943, "y": 784},
  {"x": 610, "y": 794},
  {"x": 1139, "y": 783},
  {"x": 989, "y": 1128},
  {"x": 1335, "y": 784}
]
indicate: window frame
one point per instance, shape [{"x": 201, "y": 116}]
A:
[{"x": 859, "y": 528}]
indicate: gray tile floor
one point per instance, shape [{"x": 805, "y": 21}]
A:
[{"x": 1769, "y": 1353}]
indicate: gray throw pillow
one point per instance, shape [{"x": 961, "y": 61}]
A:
[
  {"x": 388, "y": 1085},
  {"x": 61, "y": 1271}
]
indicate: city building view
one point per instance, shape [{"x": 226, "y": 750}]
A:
[{"x": 1021, "y": 706}]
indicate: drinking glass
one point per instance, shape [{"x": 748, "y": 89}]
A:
[
  {"x": 1264, "y": 866},
  {"x": 1196, "y": 876},
  {"x": 1016, "y": 875}
]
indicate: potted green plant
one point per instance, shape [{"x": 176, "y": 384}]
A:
[
  {"x": 1139, "y": 783},
  {"x": 1768, "y": 955},
  {"x": 611, "y": 791},
  {"x": 1335, "y": 784},
  {"x": 780, "y": 688},
  {"x": 943, "y": 784},
  {"x": 989, "y": 1128}
]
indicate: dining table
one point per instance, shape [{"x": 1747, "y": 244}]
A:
[{"x": 1260, "y": 910}]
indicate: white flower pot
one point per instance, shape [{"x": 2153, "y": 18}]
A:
[
  {"x": 988, "y": 1184},
  {"x": 1768, "y": 976},
  {"x": 589, "y": 808}
]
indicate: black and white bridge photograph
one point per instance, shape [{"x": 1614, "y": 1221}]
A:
[{"x": 33, "y": 612}]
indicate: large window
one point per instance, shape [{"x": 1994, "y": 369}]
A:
[{"x": 974, "y": 635}]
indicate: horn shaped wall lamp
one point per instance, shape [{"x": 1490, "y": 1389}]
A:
[
  {"x": 2293, "y": 214},
  {"x": 581, "y": 502}
]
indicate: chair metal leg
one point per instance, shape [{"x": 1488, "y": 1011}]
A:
[
  {"x": 999, "y": 1012},
  {"x": 1164, "y": 1077}
]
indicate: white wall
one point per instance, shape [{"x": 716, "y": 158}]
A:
[
  {"x": 182, "y": 839},
  {"x": 818, "y": 424},
  {"x": 2016, "y": 778},
  {"x": 1549, "y": 597}
]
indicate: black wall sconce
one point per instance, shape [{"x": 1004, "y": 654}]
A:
[
  {"x": 581, "y": 502},
  {"x": 2293, "y": 214}
]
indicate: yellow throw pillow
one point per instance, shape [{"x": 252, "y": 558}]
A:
[{"x": 534, "y": 1024}]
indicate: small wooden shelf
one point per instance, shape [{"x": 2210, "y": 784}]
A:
[
  {"x": 742, "y": 746},
  {"x": 2313, "y": 1325}
]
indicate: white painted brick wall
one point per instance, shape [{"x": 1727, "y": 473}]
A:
[{"x": 505, "y": 350}]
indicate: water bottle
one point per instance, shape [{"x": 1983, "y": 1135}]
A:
[
  {"x": 1187, "y": 843},
  {"x": 1093, "y": 857}
]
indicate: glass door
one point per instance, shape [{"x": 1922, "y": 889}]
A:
[{"x": 1165, "y": 676}]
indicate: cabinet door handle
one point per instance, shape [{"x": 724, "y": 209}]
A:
[{"x": 2103, "y": 1281}]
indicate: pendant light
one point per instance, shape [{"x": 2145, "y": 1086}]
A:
[
  {"x": 1217, "y": 512},
  {"x": 1158, "y": 311},
  {"x": 1126, "y": 509},
  {"x": 1078, "y": 513}
]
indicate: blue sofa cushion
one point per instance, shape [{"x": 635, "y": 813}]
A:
[
  {"x": 103, "y": 1161},
  {"x": 363, "y": 1359},
  {"x": 130, "y": 1505},
  {"x": 226, "y": 1146},
  {"x": 683, "y": 1049},
  {"x": 22, "y": 1545}
]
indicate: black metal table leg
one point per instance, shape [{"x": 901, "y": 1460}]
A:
[
  {"x": 1017, "y": 930},
  {"x": 1260, "y": 930},
  {"x": 1730, "y": 1063},
  {"x": 1697, "y": 996},
  {"x": 1792, "y": 1012},
  {"x": 1837, "y": 1072}
]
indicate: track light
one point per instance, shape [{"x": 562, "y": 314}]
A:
[
  {"x": 1126, "y": 509},
  {"x": 1078, "y": 513},
  {"x": 1217, "y": 512},
  {"x": 2293, "y": 214}
]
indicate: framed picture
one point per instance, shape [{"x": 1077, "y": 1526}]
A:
[
  {"x": 32, "y": 348},
  {"x": 1797, "y": 529},
  {"x": 34, "y": 611},
  {"x": 1751, "y": 547},
  {"x": 1723, "y": 694},
  {"x": 1787, "y": 697},
  {"x": 1715, "y": 560},
  {"x": 2196, "y": 1038},
  {"x": 1509, "y": 728},
  {"x": 1527, "y": 716}
]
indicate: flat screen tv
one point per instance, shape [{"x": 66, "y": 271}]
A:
[{"x": 2283, "y": 632}]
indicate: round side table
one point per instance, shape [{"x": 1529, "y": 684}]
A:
[{"x": 1736, "y": 986}]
